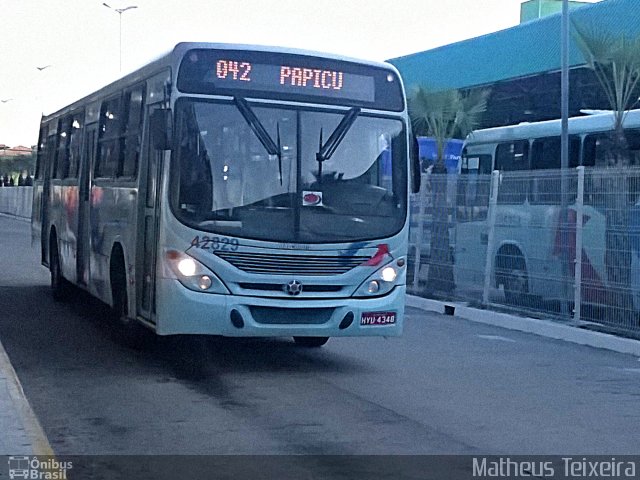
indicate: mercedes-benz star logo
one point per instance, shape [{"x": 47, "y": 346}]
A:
[{"x": 294, "y": 287}]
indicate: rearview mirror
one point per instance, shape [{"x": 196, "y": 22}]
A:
[{"x": 161, "y": 129}]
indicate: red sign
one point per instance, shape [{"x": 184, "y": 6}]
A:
[{"x": 312, "y": 198}]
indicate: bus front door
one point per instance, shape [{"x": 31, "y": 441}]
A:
[
  {"x": 83, "y": 252},
  {"x": 46, "y": 198},
  {"x": 149, "y": 215}
]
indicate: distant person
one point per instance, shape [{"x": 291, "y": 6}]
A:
[
  {"x": 21, "y": 180},
  {"x": 5, "y": 180},
  {"x": 11, "y": 182},
  {"x": 28, "y": 181}
]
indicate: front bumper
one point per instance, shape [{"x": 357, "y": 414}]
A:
[{"x": 183, "y": 311}]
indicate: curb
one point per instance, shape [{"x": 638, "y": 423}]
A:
[
  {"x": 544, "y": 328},
  {"x": 39, "y": 442}
]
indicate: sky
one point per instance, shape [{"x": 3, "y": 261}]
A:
[{"x": 78, "y": 40}]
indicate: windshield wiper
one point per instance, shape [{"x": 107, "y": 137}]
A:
[
  {"x": 256, "y": 126},
  {"x": 328, "y": 149}
]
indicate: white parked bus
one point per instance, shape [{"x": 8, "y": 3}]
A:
[
  {"x": 526, "y": 258},
  {"x": 233, "y": 190}
]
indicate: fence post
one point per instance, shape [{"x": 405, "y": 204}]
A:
[
  {"x": 491, "y": 223},
  {"x": 422, "y": 196},
  {"x": 577, "y": 292}
]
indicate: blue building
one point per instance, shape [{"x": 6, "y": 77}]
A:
[
  {"x": 428, "y": 153},
  {"x": 521, "y": 65}
]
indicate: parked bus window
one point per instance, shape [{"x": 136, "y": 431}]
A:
[
  {"x": 473, "y": 186},
  {"x": 510, "y": 157}
]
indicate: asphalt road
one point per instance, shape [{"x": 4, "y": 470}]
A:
[{"x": 448, "y": 386}]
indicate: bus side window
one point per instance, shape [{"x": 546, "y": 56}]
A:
[
  {"x": 512, "y": 156},
  {"x": 545, "y": 153},
  {"x": 574, "y": 151},
  {"x": 633, "y": 142},
  {"x": 589, "y": 151},
  {"x": 109, "y": 138},
  {"x": 62, "y": 150},
  {"x": 41, "y": 156},
  {"x": 596, "y": 153},
  {"x": 75, "y": 141},
  {"x": 132, "y": 134},
  {"x": 473, "y": 186}
]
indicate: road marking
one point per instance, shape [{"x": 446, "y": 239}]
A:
[
  {"x": 626, "y": 369},
  {"x": 39, "y": 442},
  {"x": 633, "y": 370},
  {"x": 496, "y": 337}
]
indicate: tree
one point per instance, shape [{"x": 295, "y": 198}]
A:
[
  {"x": 614, "y": 57},
  {"x": 443, "y": 115},
  {"x": 615, "y": 60}
]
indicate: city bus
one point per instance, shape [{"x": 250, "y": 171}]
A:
[
  {"x": 234, "y": 190},
  {"x": 526, "y": 259}
]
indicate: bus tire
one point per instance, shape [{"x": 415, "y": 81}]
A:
[
  {"x": 516, "y": 285},
  {"x": 129, "y": 331},
  {"x": 59, "y": 285},
  {"x": 511, "y": 273},
  {"x": 311, "y": 342}
]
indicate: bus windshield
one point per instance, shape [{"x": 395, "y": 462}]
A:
[{"x": 227, "y": 177}]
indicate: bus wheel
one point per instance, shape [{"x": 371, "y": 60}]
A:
[
  {"x": 59, "y": 285},
  {"x": 311, "y": 342},
  {"x": 516, "y": 286},
  {"x": 120, "y": 308},
  {"x": 128, "y": 331}
]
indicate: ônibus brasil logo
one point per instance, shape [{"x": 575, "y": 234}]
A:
[{"x": 38, "y": 469}]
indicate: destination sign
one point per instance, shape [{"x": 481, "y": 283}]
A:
[{"x": 285, "y": 76}]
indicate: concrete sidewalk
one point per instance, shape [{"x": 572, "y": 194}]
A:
[
  {"x": 20, "y": 430},
  {"x": 547, "y": 328}
]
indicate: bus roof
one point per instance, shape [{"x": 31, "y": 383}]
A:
[
  {"x": 600, "y": 122},
  {"x": 172, "y": 60}
]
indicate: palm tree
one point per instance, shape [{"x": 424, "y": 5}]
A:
[
  {"x": 615, "y": 60},
  {"x": 443, "y": 115}
]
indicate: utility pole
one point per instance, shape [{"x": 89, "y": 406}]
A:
[{"x": 120, "y": 11}]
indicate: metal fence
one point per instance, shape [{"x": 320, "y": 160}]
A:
[
  {"x": 512, "y": 239},
  {"x": 16, "y": 201}
]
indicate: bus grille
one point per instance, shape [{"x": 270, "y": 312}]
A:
[
  {"x": 291, "y": 316},
  {"x": 291, "y": 264}
]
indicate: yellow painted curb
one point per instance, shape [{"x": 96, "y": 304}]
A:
[{"x": 32, "y": 426}]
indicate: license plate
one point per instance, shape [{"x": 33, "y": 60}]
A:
[{"x": 378, "y": 318}]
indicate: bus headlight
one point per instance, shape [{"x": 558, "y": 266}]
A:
[
  {"x": 187, "y": 267},
  {"x": 204, "y": 282},
  {"x": 389, "y": 274},
  {"x": 193, "y": 274},
  {"x": 383, "y": 280}
]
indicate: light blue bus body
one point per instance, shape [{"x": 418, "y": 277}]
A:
[{"x": 274, "y": 203}]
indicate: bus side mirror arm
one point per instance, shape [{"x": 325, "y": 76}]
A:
[
  {"x": 161, "y": 129},
  {"x": 415, "y": 164}
]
